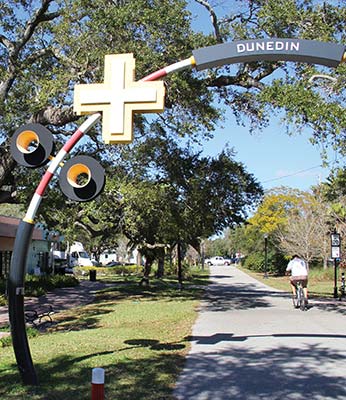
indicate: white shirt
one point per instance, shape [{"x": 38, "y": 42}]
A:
[{"x": 297, "y": 267}]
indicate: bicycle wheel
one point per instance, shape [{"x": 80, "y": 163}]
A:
[
  {"x": 299, "y": 298},
  {"x": 302, "y": 304}
]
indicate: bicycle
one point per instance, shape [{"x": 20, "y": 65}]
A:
[{"x": 299, "y": 301}]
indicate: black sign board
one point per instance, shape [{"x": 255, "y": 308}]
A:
[
  {"x": 299, "y": 50},
  {"x": 335, "y": 244},
  {"x": 335, "y": 239}
]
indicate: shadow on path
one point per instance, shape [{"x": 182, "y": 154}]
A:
[
  {"x": 249, "y": 375},
  {"x": 230, "y": 337},
  {"x": 235, "y": 296}
]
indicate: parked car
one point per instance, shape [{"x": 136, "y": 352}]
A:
[
  {"x": 217, "y": 260},
  {"x": 95, "y": 263},
  {"x": 113, "y": 264},
  {"x": 60, "y": 266}
]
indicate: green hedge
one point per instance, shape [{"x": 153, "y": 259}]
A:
[
  {"x": 38, "y": 285},
  {"x": 107, "y": 271},
  {"x": 254, "y": 262},
  {"x": 276, "y": 263},
  {"x": 171, "y": 269}
]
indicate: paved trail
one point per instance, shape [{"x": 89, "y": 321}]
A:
[{"x": 249, "y": 343}]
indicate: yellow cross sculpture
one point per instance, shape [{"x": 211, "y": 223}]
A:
[{"x": 119, "y": 97}]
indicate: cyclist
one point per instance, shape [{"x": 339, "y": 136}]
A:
[{"x": 299, "y": 272}]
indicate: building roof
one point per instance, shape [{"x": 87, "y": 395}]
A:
[{"x": 9, "y": 226}]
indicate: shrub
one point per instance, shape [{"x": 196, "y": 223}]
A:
[
  {"x": 3, "y": 300},
  {"x": 3, "y": 285},
  {"x": 276, "y": 263},
  {"x": 7, "y": 340},
  {"x": 108, "y": 271},
  {"x": 38, "y": 285},
  {"x": 254, "y": 262},
  {"x": 60, "y": 281},
  {"x": 171, "y": 269}
]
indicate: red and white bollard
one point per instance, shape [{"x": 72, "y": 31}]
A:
[{"x": 98, "y": 384}]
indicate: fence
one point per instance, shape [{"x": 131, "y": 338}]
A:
[
  {"x": 44, "y": 262},
  {"x": 5, "y": 261}
]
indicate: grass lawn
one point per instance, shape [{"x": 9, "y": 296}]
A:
[
  {"x": 138, "y": 335},
  {"x": 321, "y": 282}
]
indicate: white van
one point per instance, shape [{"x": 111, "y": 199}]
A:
[{"x": 78, "y": 256}]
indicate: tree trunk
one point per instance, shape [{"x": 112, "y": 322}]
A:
[
  {"x": 7, "y": 164},
  {"x": 161, "y": 264},
  {"x": 149, "y": 259},
  {"x": 180, "y": 271},
  {"x": 147, "y": 268}
]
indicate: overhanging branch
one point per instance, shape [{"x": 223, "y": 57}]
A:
[
  {"x": 57, "y": 116},
  {"x": 225, "y": 80},
  {"x": 214, "y": 19}
]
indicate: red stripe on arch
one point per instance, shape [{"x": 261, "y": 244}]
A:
[
  {"x": 73, "y": 140},
  {"x": 44, "y": 183},
  {"x": 155, "y": 75}
]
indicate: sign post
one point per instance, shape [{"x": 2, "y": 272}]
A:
[
  {"x": 265, "y": 255},
  {"x": 335, "y": 252}
]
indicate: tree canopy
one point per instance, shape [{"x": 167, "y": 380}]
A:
[
  {"x": 170, "y": 195},
  {"x": 49, "y": 46},
  {"x": 292, "y": 222}
]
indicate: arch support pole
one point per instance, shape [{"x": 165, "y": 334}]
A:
[{"x": 15, "y": 290}]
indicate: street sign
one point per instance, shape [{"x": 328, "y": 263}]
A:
[
  {"x": 335, "y": 252},
  {"x": 335, "y": 244},
  {"x": 335, "y": 238}
]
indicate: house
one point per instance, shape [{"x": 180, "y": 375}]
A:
[
  {"x": 38, "y": 252},
  {"x": 108, "y": 256}
]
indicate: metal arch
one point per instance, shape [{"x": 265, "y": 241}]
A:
[{"x": 329, "y": 54}]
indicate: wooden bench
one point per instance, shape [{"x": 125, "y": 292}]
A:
[{"x": 36, "y": 315}]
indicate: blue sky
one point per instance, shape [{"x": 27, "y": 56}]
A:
[{"x": 275, "y": 158}]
